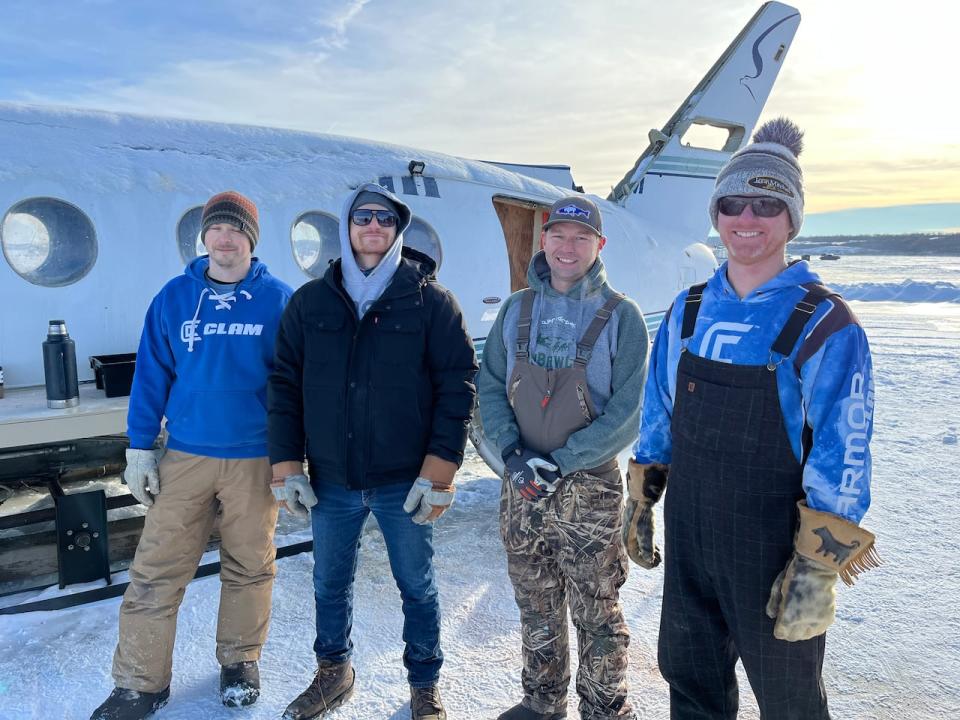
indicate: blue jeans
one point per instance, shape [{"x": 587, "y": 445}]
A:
[{"x": 337, "y": 521}]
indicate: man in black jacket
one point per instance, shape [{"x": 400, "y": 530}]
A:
[{"x": 373, "y": 383}]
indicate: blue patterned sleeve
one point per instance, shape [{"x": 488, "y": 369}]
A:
[
  {"x": 655, "y": 443},
  {"x": 838, "y": 395}
]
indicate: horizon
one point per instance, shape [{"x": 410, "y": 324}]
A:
[{"x": 473, "y": 89}]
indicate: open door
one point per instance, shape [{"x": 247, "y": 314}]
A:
[{"x": 522, "y": 221}]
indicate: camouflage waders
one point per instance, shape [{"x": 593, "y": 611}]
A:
[{"x": 565, "y": 550}]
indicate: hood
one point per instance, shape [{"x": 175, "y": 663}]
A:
[
  {"x": 538, "y": 277},
  {"x": 796, "y": 273},
  {"x": 197, "y": 268},
  {"x": 346, "y": 251}
]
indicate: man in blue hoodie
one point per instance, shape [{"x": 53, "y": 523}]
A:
[
  {"x": 758, "y": 409},
  {"x": 203, "y": 362},
  {"x": 374, "y": 386}
]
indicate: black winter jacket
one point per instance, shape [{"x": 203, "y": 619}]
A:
[{"x": 366, "y": 400}]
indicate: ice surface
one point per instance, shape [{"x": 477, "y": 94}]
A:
[{"x": 893, "y": 653}]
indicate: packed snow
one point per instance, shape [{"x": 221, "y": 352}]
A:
[{"x": 893, "y": 653}]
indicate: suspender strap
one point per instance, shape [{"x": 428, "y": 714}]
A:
[
  {"x": 690, "y": 309},
  {"x": 522, "y": 350},
  {"x": 788, "y": 337},
  {"x": 592, "y": 333}
]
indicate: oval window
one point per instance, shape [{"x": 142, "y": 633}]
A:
[
  {"x": 48, "y": 242},
  {"x": 188, "y": 235},
  {"x": 424, "y": 238},
  {"x": 315, "y": 239}
]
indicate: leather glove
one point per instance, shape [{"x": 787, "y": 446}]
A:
[
  {"x": 534, "y": 476},
  {"x": 803, "y": 597},
  {"x": 645, "y": 486},
  {"x": 142, "y": 475},
  {"x": 295, "y": 493},
  {"x": 432, "y": 492}
]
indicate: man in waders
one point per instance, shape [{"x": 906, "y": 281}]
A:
[
  {"x": 560, "y": 385},
  {"x": 758, "y": 409}
]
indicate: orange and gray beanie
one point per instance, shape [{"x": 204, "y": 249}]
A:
[{"x": 232, "y": 207}]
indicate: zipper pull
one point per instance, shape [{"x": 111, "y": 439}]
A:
[{"x": 546, "y": 399}]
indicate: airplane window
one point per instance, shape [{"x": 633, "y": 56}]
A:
[
  {"x": 48, "y": 242},
  {"x": 188, "y": 235},
  {"x": 424, "y": 238},
  {"x": 316, "y": 242}
]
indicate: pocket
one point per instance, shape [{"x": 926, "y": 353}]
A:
[
  {"x": 718, "y": 418},
  {"x": 324, "y": 347},
  {"x": 512, "y": 391},
  {"x": 399, "y": 432},
  {"x": 220, "y": 418},
  {"x": 399, "y": 340}
]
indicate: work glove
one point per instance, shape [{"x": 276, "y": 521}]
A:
[
  {"x": 645, "y": 486},
  {"x": 803, "y": 597},
  {"x": 142, "y": 475},
  {"x": 534, "y": 476},
  {"x": 295, "y": 493},
  {"x": 432, "y": 492}
]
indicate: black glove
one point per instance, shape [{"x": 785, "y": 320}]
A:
[{"x": 534, "y": 476}]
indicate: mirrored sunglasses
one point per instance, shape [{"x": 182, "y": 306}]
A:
[
  {"x": 385, "y": 218},
  {"x": 765, "y": 207}
]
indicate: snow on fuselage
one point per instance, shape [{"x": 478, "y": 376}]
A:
[{"x": 134, "y": 180}]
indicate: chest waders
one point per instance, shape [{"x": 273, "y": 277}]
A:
[
  {"x": 729, "y": 518},
  {"x": 565, "y": 550}
]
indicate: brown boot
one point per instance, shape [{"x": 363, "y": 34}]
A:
[
  {"x": 425, "y": 704},
  {"x": 331, "y": 687}
]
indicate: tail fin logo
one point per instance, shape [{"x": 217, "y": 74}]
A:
[{"x": 758, "y": 58}]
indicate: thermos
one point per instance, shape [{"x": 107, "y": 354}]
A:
[{"x": 60, "y": 367}]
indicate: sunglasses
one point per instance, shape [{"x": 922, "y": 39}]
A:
[
  {"x": 385, "y": 218},
  {"x": 765, "y": 207}
]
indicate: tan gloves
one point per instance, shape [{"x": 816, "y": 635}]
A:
[
  {"x": 142, "y": 475},
  {"x": 802, "y": 599},
  {"x": 645, "y": 486},
  {"x": 433, "y": 491}
]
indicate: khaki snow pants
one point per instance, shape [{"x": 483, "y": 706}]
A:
[{"x": 176, "y": 531}]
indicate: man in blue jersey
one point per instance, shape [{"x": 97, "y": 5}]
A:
[
  {"x": 203, "y": 362},
  {"x": 758, "y": 415}
]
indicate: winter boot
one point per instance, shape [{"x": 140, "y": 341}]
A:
[
  {"x": 125, "y": 704},
  {"x": 425, "y": 704},
  {"x": 522, "y": 712},
  {"x": 240, "y": 683},
  {"x": 331, "y": 688}
]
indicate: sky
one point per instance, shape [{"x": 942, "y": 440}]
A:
[{"x": 514, "y": 80}]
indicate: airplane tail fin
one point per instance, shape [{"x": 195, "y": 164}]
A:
[{"x": 671, "y": 182}]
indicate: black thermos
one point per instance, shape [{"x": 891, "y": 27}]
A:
[{"x": 60, "y": 367}]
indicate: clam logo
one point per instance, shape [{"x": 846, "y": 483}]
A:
[
  {"x": 770, "y": 184},
  {"x": 188, "y": 331},
  {"x": 719, "y": 336}
]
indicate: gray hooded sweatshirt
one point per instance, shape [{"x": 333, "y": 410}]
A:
[
  {"x": 615, "y": 373},
  {"x": 365, "y": 288}
]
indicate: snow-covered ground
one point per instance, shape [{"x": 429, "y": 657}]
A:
[{"x": 894, "y": 652}]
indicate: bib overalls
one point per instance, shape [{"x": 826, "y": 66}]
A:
[
  {"x": 729, "y": 519},
  {"x": 565, "y": 550}
]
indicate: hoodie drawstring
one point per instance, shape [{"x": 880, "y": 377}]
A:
[{"x": 192, "y": 337}]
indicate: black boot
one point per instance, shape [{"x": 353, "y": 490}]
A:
[
  {"x": 425, "y": 704},
  {"x": 331, "y": 688},
  {"x": 124, "y": 704},
  {"x": 522, "y": 712},
  {"x": 240, "y": 683}
]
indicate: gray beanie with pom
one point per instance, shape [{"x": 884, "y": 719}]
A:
[{"x": 768, "y": 166}]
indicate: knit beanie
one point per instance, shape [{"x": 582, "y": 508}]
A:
[
  {"x": 232, "y": 207},
  {"x": 368, "y": 196},
  {"x": 768, "y": 166}
]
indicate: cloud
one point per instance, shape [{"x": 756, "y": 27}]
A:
[{"x": 338, "y": 23}]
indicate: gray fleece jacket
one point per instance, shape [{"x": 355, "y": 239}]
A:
[{"x": 615, "y": 373}]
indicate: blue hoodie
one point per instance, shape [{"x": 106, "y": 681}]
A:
[
  {"x": 826, "y": 383},
  {"x": 203, "y": 363}
]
